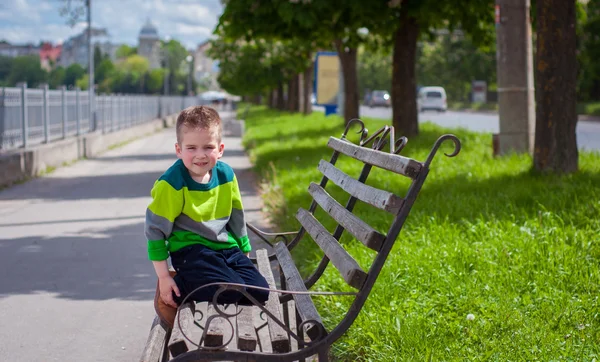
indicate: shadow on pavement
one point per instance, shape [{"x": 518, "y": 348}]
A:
[
  {"x": 123, "y": 186},
  {"x": 103, "y": 264}
]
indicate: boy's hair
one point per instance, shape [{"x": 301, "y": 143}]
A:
[{"x": 201, "y": 117}]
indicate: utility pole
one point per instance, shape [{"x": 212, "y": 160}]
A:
[
  {"x": 514, "y": 60},
  {"x": 92, "y": 121}
]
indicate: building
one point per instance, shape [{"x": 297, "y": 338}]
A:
[
  {"x": 14, "y": 50},
  {"x": 49, "y": 55},
  {"x": 206, "y": 69},
  {"x": 149, "y": 44},
  {"x": 75, "y": 49}
]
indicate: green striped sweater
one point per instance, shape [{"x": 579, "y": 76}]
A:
[{"x": 184, "y": 212}]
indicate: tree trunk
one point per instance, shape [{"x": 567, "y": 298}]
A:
[
  {"x": 405, "y": 117},
  {"x": 272, "y": 98},
  {"x": 348, "y": 59},
  {"x": 556, "y": 88},
  {"x": 308, "y": 89},
  {"x": 280, "y": 98},
  {"x": 293, "y": 94}
]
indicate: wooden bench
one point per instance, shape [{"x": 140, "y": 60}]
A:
[{"x": 289, "y": 326}]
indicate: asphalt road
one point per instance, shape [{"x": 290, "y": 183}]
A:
[
  {"x": 75, "y": 281},
  {"x": 588, "y": 132}
]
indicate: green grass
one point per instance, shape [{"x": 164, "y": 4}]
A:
[
  {"x": 458, "y": 106},
  {"x": 518, "y": 250}
]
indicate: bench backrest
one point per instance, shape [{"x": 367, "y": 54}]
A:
[{"x": 369, "y": 152}]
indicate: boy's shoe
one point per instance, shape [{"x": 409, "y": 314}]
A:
[{"x": 165, "y": 312}]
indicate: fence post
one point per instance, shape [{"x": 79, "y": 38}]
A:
[
  {"x": 2, "y": 111},
  {"x": 78, "y": 111},
  {"x": 63, "y": 100},
  {"x": 24, "y": 115},
  {"x": 46, "y": 114},
  {"x": 112, "y": 112}
]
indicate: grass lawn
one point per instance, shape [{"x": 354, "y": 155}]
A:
[{"x": 517, "y": 250}]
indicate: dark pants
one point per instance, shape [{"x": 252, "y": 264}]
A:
[{"x": 198, "y": 265}]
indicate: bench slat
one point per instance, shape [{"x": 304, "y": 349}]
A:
[
  {"x": 304, "y": 304},
  {"x": 178, "y": 344},
  {"x": 370, "y": 237},
  {"x": 153, "y": 351},
  {"x": 379, "y": 198},
  {"x": 388, "y": 161},
  {"x": 246, "y": 335},
  {"x": 279, "y": 337},
  {"x": 344, "y": 262},
  {"x": 214, "y": 335}
]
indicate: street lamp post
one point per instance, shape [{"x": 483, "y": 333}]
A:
[
  {"x": 166, "y": 59},
  {"x": 190, "y": 61},
  {"x": 92, "y": 121}
]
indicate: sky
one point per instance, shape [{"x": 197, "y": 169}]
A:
[{"x": 189, "y": 21}]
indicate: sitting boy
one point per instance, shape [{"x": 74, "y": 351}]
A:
[{"x": 196, "y": 216}]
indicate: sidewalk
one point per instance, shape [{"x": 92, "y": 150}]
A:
[{"x": 74, "y": 253}]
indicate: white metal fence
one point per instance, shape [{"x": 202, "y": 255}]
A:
[{"x": 34, "y": 116}]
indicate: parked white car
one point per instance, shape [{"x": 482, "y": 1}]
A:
[{"x": 433, "y": 98}]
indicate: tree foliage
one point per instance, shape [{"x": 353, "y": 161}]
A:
[
  {"x": 27, "y": 69},
  {"x": 248, "y": 68},
  {"x": 454, "y": 61},
  {"x": 589, "y": 51}
]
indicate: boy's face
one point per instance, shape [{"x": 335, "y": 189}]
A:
[{"x": 199, "y": 150}]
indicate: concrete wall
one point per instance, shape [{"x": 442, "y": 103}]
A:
[{"x": 22, "y": 164}]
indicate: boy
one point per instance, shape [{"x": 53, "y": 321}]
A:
[{"x": 196, "y": 216}]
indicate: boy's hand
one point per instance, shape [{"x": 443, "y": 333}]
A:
[{"x": 167, "y": 285}]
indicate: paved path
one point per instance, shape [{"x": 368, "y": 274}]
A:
[{"x": 75, "y": 281}]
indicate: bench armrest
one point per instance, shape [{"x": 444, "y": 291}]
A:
[{"x": 271, "y": 238}]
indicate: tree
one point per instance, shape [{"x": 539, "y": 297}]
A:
[
  {"x": 154, "y": 81},
  {"x": 175, "y": 57},
  {"x": 103, "y": 70},
  {"x": 320, "y": 24},
  {"x": 454, "y": 61},
  {"x": 405, "y": 21},
  {"x": 125, "y": 51},
  {"x": 56, "y": 77},
  {"x": 374, "y": 70},
  {"x": 27, "y": 69},
  {"x": 73, "y": 73},
  {"x": 556, "y": 87},
  {"x": 5, "y": 67},
  {"x": 589, "y": 69}
]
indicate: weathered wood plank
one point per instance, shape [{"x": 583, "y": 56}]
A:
[
  {"x": 391, "y": 162},
  {"x": 370, "y": 237},
  {"x": 291, "y": 307},
  {"x": 304, "y": 304},
  {"x": 344, "y": 262},
  {"x": 262, "y": 331},
  {"x": 279, "y": 337},
  {"x": 229, "y": 329},
  {"x": 178, "y": 344},
  {"x": 246, "y": 334},
  {"x": 154, "y": 349},
  {"x": 214, "y": 334},
  {"x": 381, "y": 199}
]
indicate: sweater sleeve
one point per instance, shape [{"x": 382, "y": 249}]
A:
[
  {"x": 237, "y": 222},
  {"x": 166, "y": 205}
]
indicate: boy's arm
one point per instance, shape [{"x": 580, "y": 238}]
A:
[
  {"x": 237, "y": 221},
  {"x": 166, "y": 205},
  {"x": 166, "y": 284}
]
